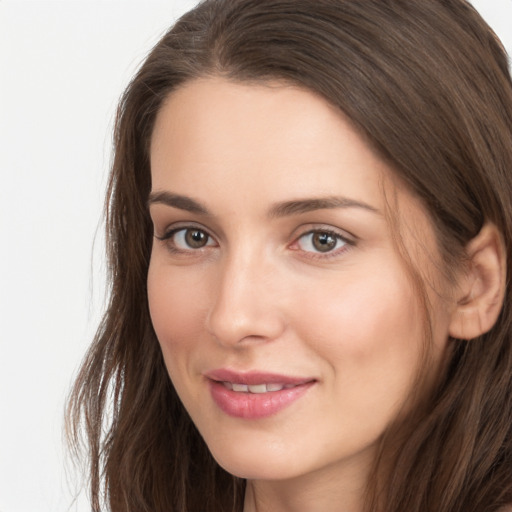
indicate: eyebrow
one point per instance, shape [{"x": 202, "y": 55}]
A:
[
  {"x": 311, "y": 204},
  {"x": 178, "y": 201},
  {"x": 278, "y": 210}
]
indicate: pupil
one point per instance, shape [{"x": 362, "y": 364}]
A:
[
  {"x": 324, "y": 242},
  {"x": 195, "y": 238}
]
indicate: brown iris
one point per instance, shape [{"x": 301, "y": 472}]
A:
[
  {"x": 195, "y": 238},
  {"x": 323, "y": 242}
]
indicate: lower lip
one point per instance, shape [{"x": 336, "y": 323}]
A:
[{"x": 254, "y": 406}]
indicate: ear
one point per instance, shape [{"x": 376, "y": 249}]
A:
[{"x": 481, "y": 287}]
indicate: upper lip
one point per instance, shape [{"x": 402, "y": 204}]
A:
[{"x": 255, "y": 377}]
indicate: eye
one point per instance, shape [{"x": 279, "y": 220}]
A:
[
  {"x": 186, "y": 239},
  {"x": 321, "y": 241}
]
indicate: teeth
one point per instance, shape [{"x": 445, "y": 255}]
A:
[
  {"x": 256, "y": 388},
  {"x": 274, "y": 387}
]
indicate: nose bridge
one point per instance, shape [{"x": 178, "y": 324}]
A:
[{"x": 245, "y": 305}]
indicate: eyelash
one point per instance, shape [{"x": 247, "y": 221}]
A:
[
  {"x": 335, "y": 252},
  {"x": 167, "y": 239}
]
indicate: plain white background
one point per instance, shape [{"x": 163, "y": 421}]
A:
[{"x": 63, "y": 65}]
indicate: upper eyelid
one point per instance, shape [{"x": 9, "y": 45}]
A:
[
  {"x": 326, "y": 228},
  {"x": 178, "y": 226}
]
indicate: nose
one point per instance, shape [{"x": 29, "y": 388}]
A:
[{"x": 246, "y": 305}]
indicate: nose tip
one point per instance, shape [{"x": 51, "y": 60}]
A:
[
  {"x": 245, "y": 309},
  {"x": 232, "y": 329}
]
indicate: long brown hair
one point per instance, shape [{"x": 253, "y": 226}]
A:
[{"x": 427, "y": 83}]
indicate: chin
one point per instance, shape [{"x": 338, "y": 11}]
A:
[{"x": 255, "y": 464}]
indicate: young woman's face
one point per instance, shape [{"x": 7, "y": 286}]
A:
[{"x": 288, "y": 324}]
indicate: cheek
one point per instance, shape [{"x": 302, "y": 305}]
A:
[
  {"x": 370, "y": 331},
  {"x": 363, "y": 313},
  {"x": 177, "y": 305}
]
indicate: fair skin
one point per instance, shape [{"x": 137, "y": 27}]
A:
[{"x": 273, "y": 254}]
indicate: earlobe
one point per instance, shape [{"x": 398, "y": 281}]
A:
[{"x": 481, "y": 287}]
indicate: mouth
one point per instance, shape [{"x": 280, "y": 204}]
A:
[
  {"x": 255, "y": 395},
  {"x": 256, "y": 388}
]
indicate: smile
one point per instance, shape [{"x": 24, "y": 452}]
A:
[
  {"x": 256, "y": 388},
  {"x": 255, "y": 395}
]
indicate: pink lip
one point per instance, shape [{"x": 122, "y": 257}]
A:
[{"x": 255, "y": 405}]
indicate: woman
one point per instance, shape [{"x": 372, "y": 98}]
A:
[{"x": 309, "y": 227}]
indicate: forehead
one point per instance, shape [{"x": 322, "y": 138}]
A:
[{"x": 266, "y": 138}]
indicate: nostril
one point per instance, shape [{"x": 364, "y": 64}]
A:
[{"x": 241, "y": 326}]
